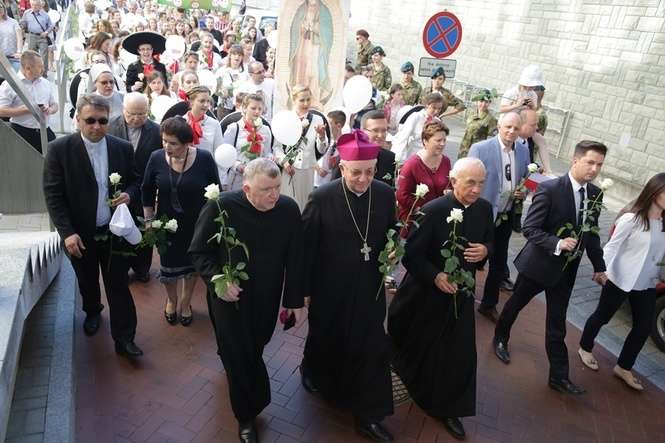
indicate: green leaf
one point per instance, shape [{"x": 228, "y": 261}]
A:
[
  {"x": 450, "y": 264},
  {"x": 586, "y": 228},
  {"x": 569, "y": 226},
  {"x": 560, "y": 231},
  {"x": 240, "y": 266},
  {"x": 243, "y": 275},
  {"x": 445, "y": 253}
]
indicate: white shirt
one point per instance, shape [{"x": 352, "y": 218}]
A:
[
  {"x": 513, "y": 95},
  {"x": 39, "y": 92},
  {"x": 134, "y": 135},
  {"x": 8, "y": 42},
  {"x": 507, "y": 186},
  {"x": 577, "y": 197},
  {"x": 632, "y": 254},
  {"x": 265, "y": 88},
  {"x": 211, "y": 139},
  {"x": 98, "y": 155},
  {"x": 408, "y": 139},
  {"x": 231, "y": 79},
  {"x": 234, "y": 179}
]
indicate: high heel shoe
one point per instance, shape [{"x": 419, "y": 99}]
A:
[
  {"x": 171, "y": 318},
  {"x": 186, "y": 320}
]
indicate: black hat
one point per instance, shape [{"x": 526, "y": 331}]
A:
[{"x": 132, "y": 42}]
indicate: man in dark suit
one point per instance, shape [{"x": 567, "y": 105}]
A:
[
  {"x": 375, "y": 125},
  {"x": 551, "y": 256},
  {"x": 80, "y": 198},
  {"x": 135, "y": 127}
]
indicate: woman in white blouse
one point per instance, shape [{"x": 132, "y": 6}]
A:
[
  {"x": 250, "y": 136},
  {"x": 407, "y": 141},
  {"x": 207, "y": 132},
  {"x": 635, "y": 257}
]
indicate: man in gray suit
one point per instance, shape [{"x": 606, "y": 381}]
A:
[
  {"x": 506, "y": 163},
  {"x": 135, "y": 127}
]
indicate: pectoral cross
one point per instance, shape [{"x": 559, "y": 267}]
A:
[{"x": 365, "y": 250}]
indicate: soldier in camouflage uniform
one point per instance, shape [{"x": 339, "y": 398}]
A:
[
  {"x": 412, "y": 91},
  {"x": 438, "y": 78},
  {"x": 364, "y": 48},
  {"x": 480, "y": 123},
  {"x": 381, "y": 78}
]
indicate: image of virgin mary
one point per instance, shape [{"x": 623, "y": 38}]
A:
[{"x": 311, "y": 41}]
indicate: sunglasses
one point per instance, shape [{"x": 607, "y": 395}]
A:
[{"x": 91, "y": 121}]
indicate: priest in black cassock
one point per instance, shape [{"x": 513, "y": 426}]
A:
[
  {"x": 347, "y": 351},
  {"x": 244, "y": 318},
  {"x": 436, "y": 343}
]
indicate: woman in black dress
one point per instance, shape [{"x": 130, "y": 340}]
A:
[{"x": 179, "y": 173}]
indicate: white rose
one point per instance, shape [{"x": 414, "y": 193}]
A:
[
  {"x": 456, "y": 216},
  {"x": 141, "y": 76},
  {"x": 258, "y": 122},
  {"x": 156, "y": 224},
  {"x": 115, "y": 178},
  {"x": 212, "y": 192},
  {"x": 421, "y": 190},
  {"x": 532, "y": 168},
  {"x": 606, "y": 184},
  {"x": 305, "y": 123},
  {"x": 171, "y": 225}
]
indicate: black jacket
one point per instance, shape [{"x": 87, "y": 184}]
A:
[
  {"x": 136, "y": 68},
  {"x": 70, "y": 187},
  {"x": 553, "y": 206}
]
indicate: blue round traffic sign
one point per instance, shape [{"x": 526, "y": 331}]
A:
[{"x": 442, "y": 34}]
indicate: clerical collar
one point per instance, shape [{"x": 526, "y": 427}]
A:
[
  {"x": 357, "y": 194},
  {"x": 503, "y": 146},
  {"x": 90, "y": 144}
]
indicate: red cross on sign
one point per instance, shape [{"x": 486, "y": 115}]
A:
[{"x": 442, "y": 34}]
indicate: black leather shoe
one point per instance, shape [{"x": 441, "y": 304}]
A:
[
  {"x": 565, "y": 386},
  {"x": 374, "y": 431},
  {"x": 128, "y": 349},
  {"x": 501, "y": 350},
  {"x": 455, "y": 427},
  {"x": 507, "y": 285},
  {"x": 91, "y": 324},
  {"x": 307, "y": 382},
  {"x": 186, "y": 320},
  {"x": 489, "y": 313},
  {"x": 171, "y": 318},
  {"x": 247, "y": 432}
]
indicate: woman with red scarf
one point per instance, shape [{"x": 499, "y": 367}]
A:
[
  {"x": 251, "y": 136},
  {"x": 207, "y": 132},
  {"x": 208, "y": 58},
  {"x": 147, "y": 45}
]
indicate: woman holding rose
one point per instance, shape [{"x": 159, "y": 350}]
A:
[{"x": 179, "y": 173}]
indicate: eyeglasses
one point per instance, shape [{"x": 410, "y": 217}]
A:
[
  {"x": 136, "y": 114},
  {"x": 97, "y": 62},
  {"x": 258, "y": 72},
  {"x": 105, "y": 82},
  {"x": 91, "y": 121}
]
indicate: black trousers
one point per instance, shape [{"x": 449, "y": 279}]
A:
[
  {"x": 498, "y": 262},
  {"x": 643, "y": 307},
  {"x": 32, "y": 135},
  {"x": 557, "y": 298},
  {"x": 122, "y": 311},
  {"x": 141, "y": 262}
]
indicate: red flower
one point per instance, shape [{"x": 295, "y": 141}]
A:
[{"x": 254, "y": 139}]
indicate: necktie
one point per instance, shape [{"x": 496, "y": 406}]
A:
[{"x": 580, "y": 212}]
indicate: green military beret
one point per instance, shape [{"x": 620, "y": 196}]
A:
[
  {"x": 407, "y": 67},
  {"x": 377, "y": 50},
  {"x": 485, "y": 95},
  {"x": 438, "y": 72}
]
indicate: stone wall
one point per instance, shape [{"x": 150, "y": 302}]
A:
[{"x": 602, "y": 60}]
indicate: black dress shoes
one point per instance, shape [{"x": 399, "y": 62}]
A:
[
  {"x": 91, "y": 324},
  {"x": 247, "y": 432},
  {"x": 455, "y": 427},
  {"x": 128, "y": 349},
  {"x": 171, "y": 318},
  {"x": 507, "y": 285},
  {"x": 374, "y": 431},
  {"x": 501, "y": 350},
  {"x": 489, "y": 313},
  {"x": 307, "y": 382},
  {"x": 565, "y": 386}
]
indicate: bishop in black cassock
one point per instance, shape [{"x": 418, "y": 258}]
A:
[
  {"x": 270, "y": 226},
  {"x": 347, "y": 351},
  {"x": 435, "y": 350}
]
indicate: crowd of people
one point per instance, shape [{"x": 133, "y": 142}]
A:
[{"x": 313, "y": 227}]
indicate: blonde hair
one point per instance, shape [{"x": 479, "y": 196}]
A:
[{"x": 299, "y": 89}]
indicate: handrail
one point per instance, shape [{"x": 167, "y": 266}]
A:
[{"x": 7, "y": 72}]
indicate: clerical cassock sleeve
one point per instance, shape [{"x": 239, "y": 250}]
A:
[
  {"x": 311, "y": 218},
  {"x": 417, "y": 246},
  {"x": 205, "y": 254},
  {"x": 293, "y": 280}
]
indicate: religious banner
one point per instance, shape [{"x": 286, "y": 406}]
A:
[
  {"x": 216, "y": 5},
  {"x": 311, "y": 50}
]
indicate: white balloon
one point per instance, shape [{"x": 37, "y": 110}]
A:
[
  {"x": 102, "y": 5},
  {"x": 74, "y": 49},
  {"x": 208, "y": 79},
  {"x": 357, "y": 93},
  {"x": 160, "y": 105},
  {"x": 175, "y": 46},
  {"x": 54, "y": 16},
  {"x": 226, "y": 156},
  {"x": 272, "y": 38},
  {"x": 126, "y": 57},
  {"x": 286, "y": 127}
]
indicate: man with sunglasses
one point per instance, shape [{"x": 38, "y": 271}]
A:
[
  {"x": 80, "y": 199},
  {"x": 507, "y": 164}
]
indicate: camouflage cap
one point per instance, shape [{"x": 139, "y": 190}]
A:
[{"x": 485, "y": 95}]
